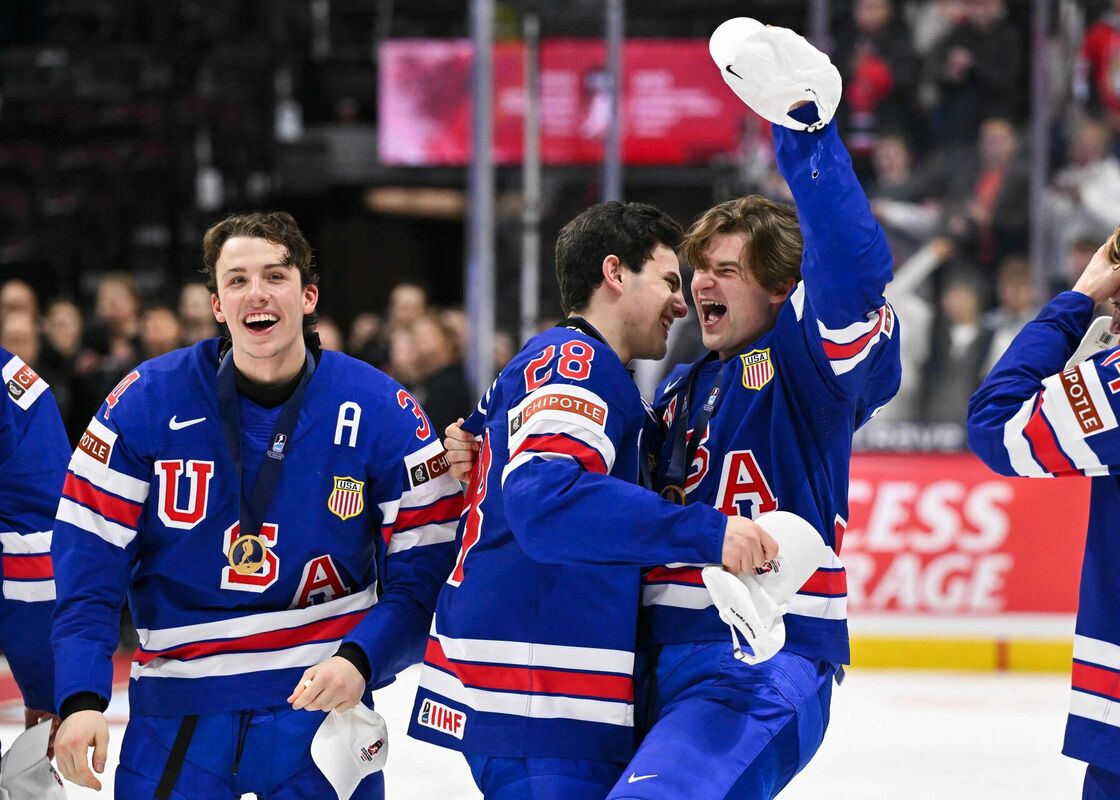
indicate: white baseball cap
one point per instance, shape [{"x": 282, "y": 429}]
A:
[
  {"x": 25, "y": 772},
  {"x": 772, "y": 68},
  {"x": 753, "y": 604},
  {"x": 349, "y": 746}
]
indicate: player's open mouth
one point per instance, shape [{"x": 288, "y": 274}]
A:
[
  {"x": 711, "y": 312},
  {"x": 261, "y": 322}
]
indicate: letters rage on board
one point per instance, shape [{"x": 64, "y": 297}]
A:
[{"x": 942, "y": 534}]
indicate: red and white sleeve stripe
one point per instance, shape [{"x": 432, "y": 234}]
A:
[
  {"x": 428, "y": 512},
  {"x": 847, "y": 347},
  {"x": 28, "y": 573},
  {"x": 560, "y": 422},
  {"x": 1096, "y": 681},
  {"x": 1049, "y": 433},
  {"x": 99, "y": 499}
]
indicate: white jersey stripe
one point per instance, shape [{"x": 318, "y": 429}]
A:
[
  {"x": 107, "y": 479},
  {"x": 436, "y": 533},
  {"x": 26, "y": 543},
  {"x": 1018, "y": 449},
  {"x": 535, "y": 654},
  {"x": 237, "y": 663},
  {"x": 166, "y": 638},
  {"x": 29, "y": 591},
  {"x": 525, "y": 458},
  {"x": 1094, "y": 707},
  {"x": 535, "y": 706},
  {"x": 92, "y": 522},
  {"x": 851, "y": 332},
  {"x": 797, "y": 299},
  {"x": 697, "y": 598},
  {"x": 1095, "y": 651}
]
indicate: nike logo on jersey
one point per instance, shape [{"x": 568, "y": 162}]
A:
[
  {"x": 175, "y": 425},
  {"x": 669, "y": 386},
  {"x": 635, "y": 778}
]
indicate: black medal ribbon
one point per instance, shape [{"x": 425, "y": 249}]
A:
[
  {"x": 254, "y": 503},
  {"x": 684, "y": 449}
]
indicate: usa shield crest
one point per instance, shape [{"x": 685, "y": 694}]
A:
[
  {"x": 347, "y": 499},
  {"x": 758, "y": 369}
]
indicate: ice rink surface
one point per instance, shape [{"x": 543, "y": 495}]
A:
[{"x": 893, "y": 736}]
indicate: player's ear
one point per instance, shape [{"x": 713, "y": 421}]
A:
[
  {"x": 216, "y": 307},
  {"x": 782, "y": 296},
  {"x": 612, "y": 274},
  {"x": 310, "y": 298}
]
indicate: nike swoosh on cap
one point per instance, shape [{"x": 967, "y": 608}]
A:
[{"x": 175, "y": 425}]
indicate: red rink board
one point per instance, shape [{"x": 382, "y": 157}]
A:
[{"x": 942, "y": 535}]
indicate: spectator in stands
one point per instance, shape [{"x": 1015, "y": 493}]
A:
[
  {"x": 160, "y": 331},
  {"x": 1085, "y": 197},
  {"x": 988, "y": 196},
  {"x": 330, "y": 337},
  {"x": 19, "y": 335},
  {"x": 366, "y": 341},
  {"x": 17, "y": 296},
  {"x": 878, "y": 66},
  {"x": 111, "y": 339},
  {"x": 1016, "y": 306},
  {"x": 977, "y": 72},
  {"x": 195, "y": 313},
  {"x": 1099, "y": 65},
  {"x": 404, "y": 357},
  {"x": 442, "y": 387},
  {"x": 407, "y": 303},
  {"x": 958, "y": 348},
  {"x": 62, "y": 345}
]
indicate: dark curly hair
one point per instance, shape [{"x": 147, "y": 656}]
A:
[{"x": 277, "y": 227}]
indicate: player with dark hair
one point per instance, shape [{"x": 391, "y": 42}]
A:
[
  {"x": 529, "y": 667},
  {"x": 1049, "y": 408},
  {"x": 280, "y": 519}
]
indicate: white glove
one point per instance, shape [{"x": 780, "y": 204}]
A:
[
  {"x": 349, "y": 746},
  {"x": 771, "y": 69},
  {"x": 753, "y": 604},
  {"x": 25, "y": 772}
]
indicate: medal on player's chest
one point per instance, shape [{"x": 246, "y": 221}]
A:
[
  {"x": 673, "y": 493},
  {"x": 247, "y": 554}
]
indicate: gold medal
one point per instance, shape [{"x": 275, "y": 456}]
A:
[
  {"x": 247, "y": 554},
  {"x": 674, "y": 494}
]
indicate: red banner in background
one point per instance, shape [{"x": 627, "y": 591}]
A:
[
  {"x": 676, "y": 108},
  {"x": 942, "y": 535}
]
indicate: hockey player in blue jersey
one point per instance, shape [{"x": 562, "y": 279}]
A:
[
  {"x": 804, "y": 349},
  {"x": 529, "y": 667},
  {"x": 1049, "y": 408},
  {"x": 33, "y": 455},
  {"x": 280, "y": 519}
]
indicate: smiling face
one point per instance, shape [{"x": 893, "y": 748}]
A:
[
  {"x": 734, "y": 309},
  {"x": 651, "y": 300},
  {"x": 262, "y": 302}
]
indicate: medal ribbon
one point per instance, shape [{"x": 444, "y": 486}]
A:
[
  {"x": 254, "y": 504},
  {"x": 684, "y": 449}
]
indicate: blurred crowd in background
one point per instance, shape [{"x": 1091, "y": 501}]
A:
[{"x": 110, "y": 171}]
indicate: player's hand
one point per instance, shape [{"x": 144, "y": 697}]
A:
[
  {"x": 33, "y": 716},
  {"x": 462, "y": 450},
  {"x": 332, "y": 684},
  {"x": 79, "y": 732},
  {"x": 746, "y": 545},
  {"x": 1101, "y": 278}
]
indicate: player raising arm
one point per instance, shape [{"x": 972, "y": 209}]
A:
[
  {"x": 280, "y": 519},
  {"x": 804, "y": 349},
  {"x": 1040, "y": 416}
]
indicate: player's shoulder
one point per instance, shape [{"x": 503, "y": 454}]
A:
[
  {"x": 358, "y": 379},
  {"x": 150, "y": 384},
  {"x": 23, "y": 386},
  {"x": 669, "y": 385}
]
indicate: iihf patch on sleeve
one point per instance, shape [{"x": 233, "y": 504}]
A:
[
  {"x": 23, "y": 384},
  {"x": 440, "y": 718}
]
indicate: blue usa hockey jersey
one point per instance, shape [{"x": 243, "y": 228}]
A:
[
  {"x": 1033, "y": 417},
  {"x": 532, "y": 647},
  {"x": 353, "y": 547},
  {"x": 781, "y": 437},
  {"x": 33, "y": 454}
]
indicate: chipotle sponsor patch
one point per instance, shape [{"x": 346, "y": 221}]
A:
[
  {"x": 95, "y": 447},
  {"x": 1081, "y": 402}
]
